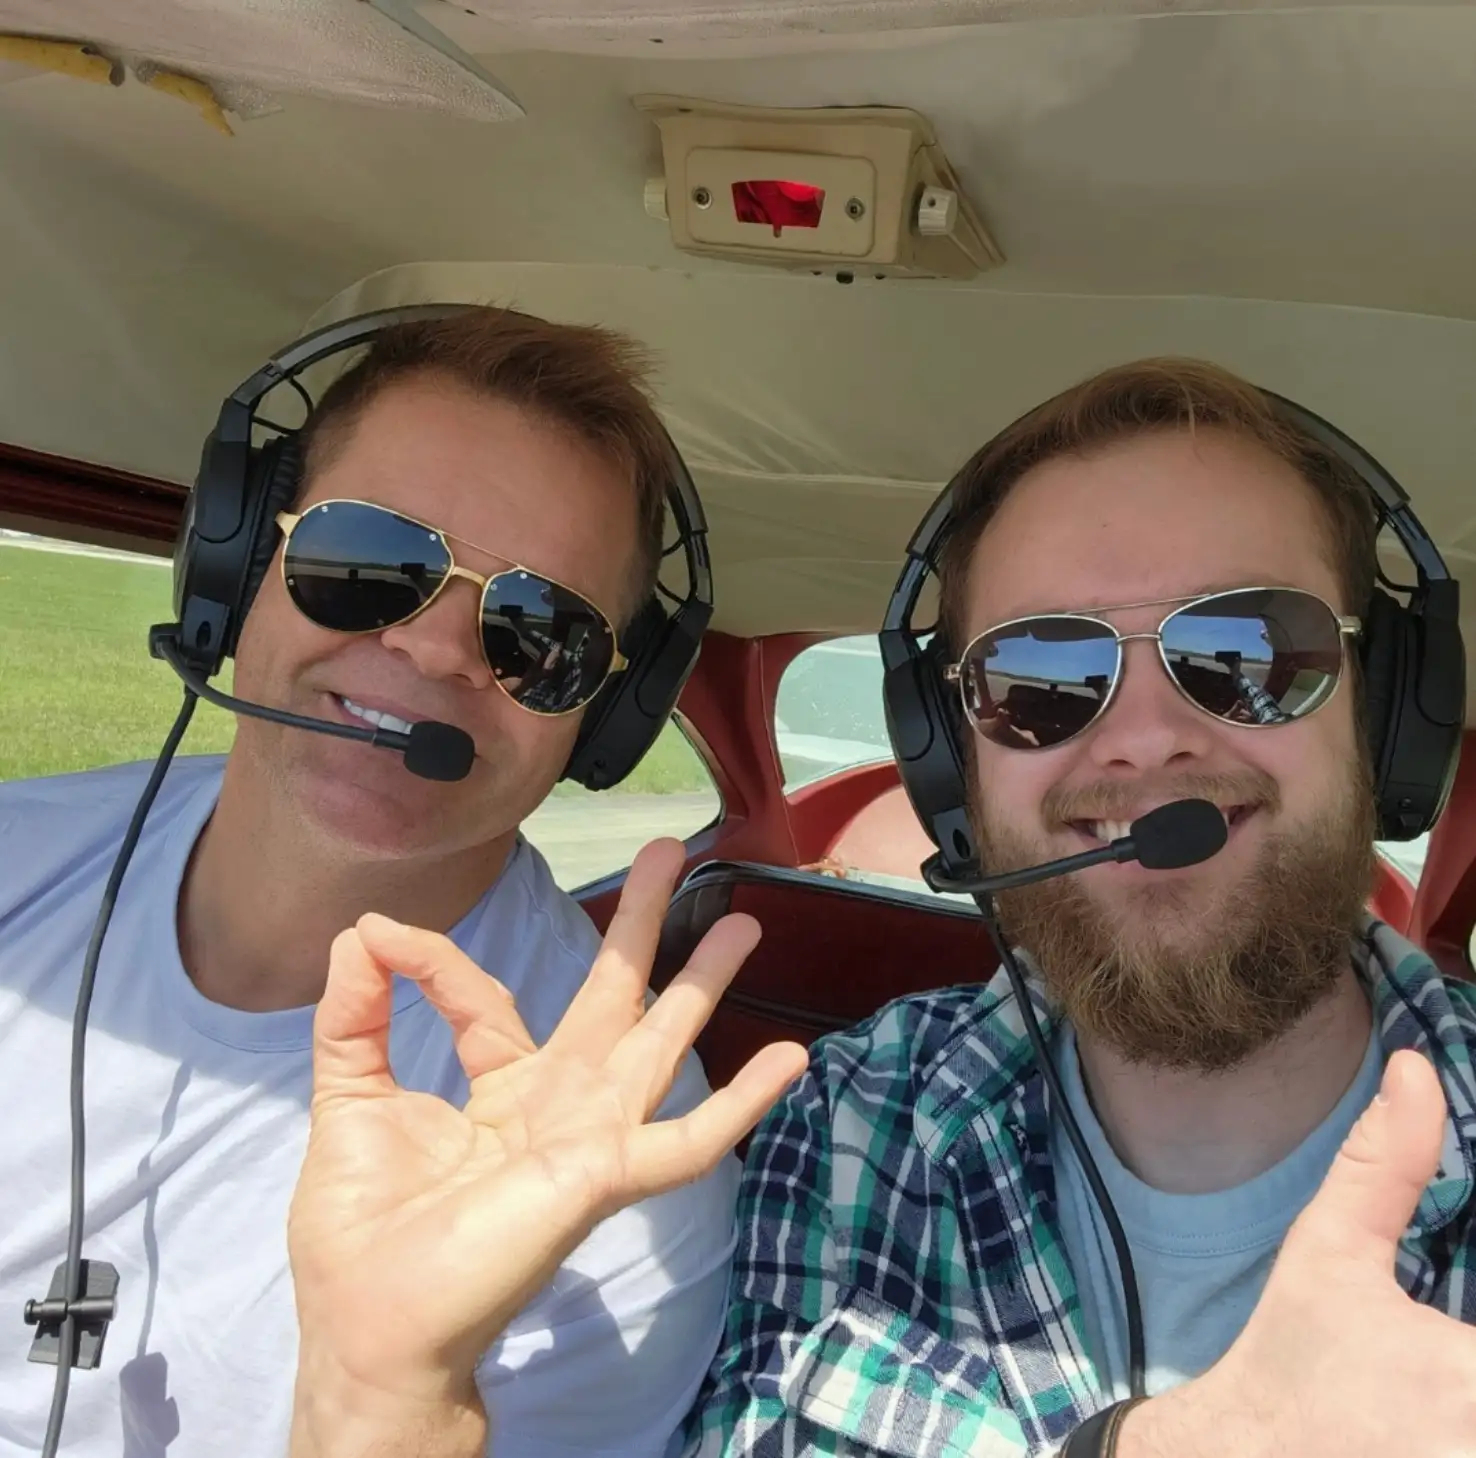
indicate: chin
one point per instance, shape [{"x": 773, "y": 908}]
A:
[
  {"x": 1183, "y": 914},
  {"x": 366, "y": 799},
  {"x": 380, "y": 827}
]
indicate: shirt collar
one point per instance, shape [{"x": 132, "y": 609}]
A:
[
  {"x": 986, "y": 1069},
  {"x": 1414, "y": 1008}
]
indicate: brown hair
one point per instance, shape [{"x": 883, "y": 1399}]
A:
[
  {"x": 1146, "y": 396},
  {"x": 587, "y": 380}
]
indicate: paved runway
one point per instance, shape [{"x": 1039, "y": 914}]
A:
[{"x": 586, "y": 836}]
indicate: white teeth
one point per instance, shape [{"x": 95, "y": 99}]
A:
[
  {"x": 375, "y": 717},
  {"x": 1109, "y": 830}
]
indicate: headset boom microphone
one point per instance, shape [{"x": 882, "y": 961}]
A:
[
  {"x": 1181, "y": 833},
  {"x": 432, "y": 750}
]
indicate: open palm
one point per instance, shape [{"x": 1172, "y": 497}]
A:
[{"x": 418, "y": 1230}]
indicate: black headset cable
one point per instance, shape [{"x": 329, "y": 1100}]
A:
[
  {"x": 1137, "y": 1385},
  {"x": 67, "y": 1337}
]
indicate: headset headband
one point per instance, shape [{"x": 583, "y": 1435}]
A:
[{"x": 237, "y": 417}]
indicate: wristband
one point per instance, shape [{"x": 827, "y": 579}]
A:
[{"x": 1097, "y": 1436}]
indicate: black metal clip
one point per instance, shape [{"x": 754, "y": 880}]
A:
[{"x": 91, "y": 1312}]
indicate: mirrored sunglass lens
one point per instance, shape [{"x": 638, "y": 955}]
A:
[
  {"x": 549, "y": 647},
  {"x": 1261, "y": 656},
  {"x": 355, "y": 568},
  {"x": 1037, "y": 683}
]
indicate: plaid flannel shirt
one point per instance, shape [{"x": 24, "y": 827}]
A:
[{"x": 900, "y": 1283}]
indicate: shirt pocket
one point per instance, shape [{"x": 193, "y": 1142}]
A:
[{"x": 891, "y": 1385}]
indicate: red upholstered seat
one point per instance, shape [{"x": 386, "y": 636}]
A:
[{"x": 832, "y": 953}]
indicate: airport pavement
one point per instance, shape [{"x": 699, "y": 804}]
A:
[{"x": 587, "y": 836}]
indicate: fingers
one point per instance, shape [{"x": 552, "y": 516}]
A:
[
  {"x": 677, "y": 1151},
  {"x": 1376, "y": 1181},
  {"x": 484, "y": 1019},
  {"x": 612, "y": 999},
  {"x": 646, "y": 1060},
  {"x": 351, "y": 1025}
]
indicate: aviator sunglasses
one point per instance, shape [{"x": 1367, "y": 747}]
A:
[
  {"x": 1256, "y": 656},
  {"x": 355, "y": 567}
]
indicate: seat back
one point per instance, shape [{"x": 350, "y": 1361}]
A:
[{"x": 832, "y": 953}]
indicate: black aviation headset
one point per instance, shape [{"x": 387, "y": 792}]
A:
[
  {"x": 226, "y": 542},
  {"x": 1413, "y": 674},
  {"x": 229, "y": 535},
  {"x": 1413, "y": 671}
]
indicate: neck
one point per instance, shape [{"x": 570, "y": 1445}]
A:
[
  {"x": 256, "y": 853},
  {"x": 1190, "y": 1133}
]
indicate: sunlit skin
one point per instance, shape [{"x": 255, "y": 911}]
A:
[
  {"x": 1161, "y": 516},
  {"x": 485, "y": 472},
  {"x": 323, "y": 829},
  {"x": 1164, "y": 516},
  {"x": 462, "y": 1214}
]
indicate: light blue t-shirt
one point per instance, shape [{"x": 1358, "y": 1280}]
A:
[
  {"x": 1200, "y": 1260},
  {"x": 196, "y": 1125}
]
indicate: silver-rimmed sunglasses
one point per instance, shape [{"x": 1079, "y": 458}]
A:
[{"x": 1253, "y": 656}]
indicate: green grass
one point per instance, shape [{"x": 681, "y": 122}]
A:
[{"x": 78, "y": 688}]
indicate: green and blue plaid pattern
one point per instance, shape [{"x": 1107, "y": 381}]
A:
[{"x": 900, "y": 1284}]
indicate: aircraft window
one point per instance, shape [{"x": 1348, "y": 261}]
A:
[
  {"x": 81, "y": 691},
  {"x": 828, "y": 715},
  {"x": 1406, "y": 856}
]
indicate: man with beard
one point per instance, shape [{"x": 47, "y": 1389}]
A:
[{"x": 923, "y": 1268}]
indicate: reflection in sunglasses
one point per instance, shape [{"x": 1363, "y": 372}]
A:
[
  {"x": 357, "y": 567},
  {"x": 1257, "y": 657}
]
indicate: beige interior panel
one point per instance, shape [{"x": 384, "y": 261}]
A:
[{"x": 1288, "y": 190}]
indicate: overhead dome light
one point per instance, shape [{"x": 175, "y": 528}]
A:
[{"x": 866, "y": 190}]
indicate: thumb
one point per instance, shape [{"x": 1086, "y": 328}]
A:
[{"x": 1381, "y": 1171}]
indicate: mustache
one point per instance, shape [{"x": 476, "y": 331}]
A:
[{"x": 1117, "y": 799}]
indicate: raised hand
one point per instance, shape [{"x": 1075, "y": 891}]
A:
[
  {"x": 418, "y": 1230},
  {"x": 1336, "y": 1361}
]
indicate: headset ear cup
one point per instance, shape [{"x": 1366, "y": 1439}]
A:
[
  {"x": 925, "y": 725},
  {"x": 1382, "y": 670},
  {"x": 1379, "y": 667},
  {"x": 626, "y": 716},
  {"x": 276, "y": 481},
  {"x": 1414, "y": 696}
]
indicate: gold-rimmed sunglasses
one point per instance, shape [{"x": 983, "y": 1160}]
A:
[
  {"x": 1253, "y": 656},
  {"x": 357, "y": 567}
]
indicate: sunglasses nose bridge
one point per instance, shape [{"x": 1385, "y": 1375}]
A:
[
  {"x": 442, "y": 638},
  {"x": 1123, "y": 639}
]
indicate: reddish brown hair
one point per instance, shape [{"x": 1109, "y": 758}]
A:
[
  {"x": 588, "y": 381},
  {"x": 1135, "y": 399}
]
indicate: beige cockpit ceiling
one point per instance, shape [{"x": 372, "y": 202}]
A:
[{"x": 1290, "y": 190}]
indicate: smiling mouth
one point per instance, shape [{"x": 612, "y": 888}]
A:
[
  {"x": 1104, "y": 832},
  {"x": 375, "y": 718}
]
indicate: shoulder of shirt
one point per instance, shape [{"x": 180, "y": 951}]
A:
[
  {"x": 1462, "y": 994},
  {"x": 97, "y": 797},
  {"x": 562, "y": 919},
  {"x": 1415, "y": 972},
  {"x": 71, "y": 825},
  {"x": 904, "y": 1037}
]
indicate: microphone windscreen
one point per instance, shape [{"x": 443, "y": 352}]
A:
[
  {"x": 439, "y": 751},
  {"x": 1181, "y": 833}
]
